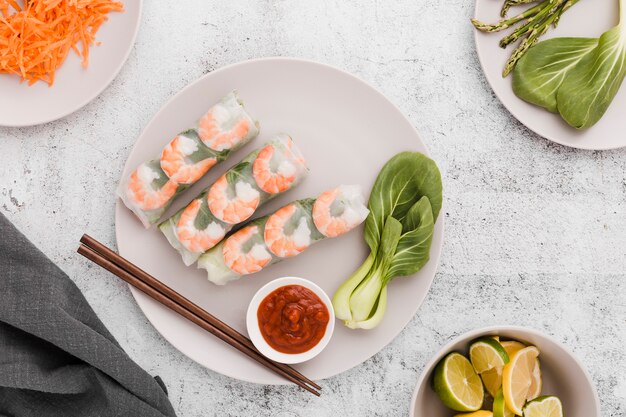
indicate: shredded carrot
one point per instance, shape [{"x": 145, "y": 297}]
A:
[{"x": 37, "y": 35}]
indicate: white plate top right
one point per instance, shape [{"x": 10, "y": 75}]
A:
[{"x": 587, "y": 18}]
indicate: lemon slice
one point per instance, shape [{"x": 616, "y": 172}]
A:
[
  {"x": 480, "y": 413},
  {"x": 535, "y": 385},
  {"x": 456, "y": 383},
  {"x": 499, "y": 406},
  {"x": 512, "y": 346},
  {"x": 517, "y": 377},
  {"x": 548, "y": 406},
  {"x": 487, "y": 353},
  {"x": 492, "y": 379}
]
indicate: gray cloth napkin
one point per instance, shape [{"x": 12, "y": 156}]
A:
[{"x": 56, "y": 356}]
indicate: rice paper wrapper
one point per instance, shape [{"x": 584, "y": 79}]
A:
[
  {"x": 286, "y": 233},
  {"x": 157, "y": 181},
  {"x": 153, "y": 185},
  {"x": 234, "y": 197}
]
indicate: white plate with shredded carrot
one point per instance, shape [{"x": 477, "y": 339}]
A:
[{"x": 58, "y": 55}]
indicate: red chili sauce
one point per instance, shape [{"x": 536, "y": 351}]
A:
[{"x": 292, "y": 319}]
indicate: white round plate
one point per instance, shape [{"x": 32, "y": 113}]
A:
[
  {"x": 347, "y": 131},
  {"x": 584, "y": 19},
  {"x": 74, "y": 86}
]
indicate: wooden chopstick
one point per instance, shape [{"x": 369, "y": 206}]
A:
[
  {"x": 97, "y": 258},
  {"x": 189, "y": 305},
  {"x": 177, "y": 303}
]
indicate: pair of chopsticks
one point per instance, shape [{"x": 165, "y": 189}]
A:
[{"x": 124, "y": 269}]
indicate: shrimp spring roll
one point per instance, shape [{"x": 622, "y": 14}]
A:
[
  {"x": 154, "y": 184},
  {"x": 285, "y": 233},
  {"x": 234, "y": 197}
]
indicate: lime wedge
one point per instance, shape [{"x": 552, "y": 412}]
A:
[
  {"x": 499, "y": 406},
  {"x": 481, "y": 413},
  {"x": 492, "y": 379},
  {"x": 487, "y": 353},
  {"x": 457, "y": 385},
  {"x": 548, "y": 406}
]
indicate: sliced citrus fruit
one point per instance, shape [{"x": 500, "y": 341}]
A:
[
  {"x": 547, "y": 406},
  {"x": 499, "y": 406},
  {"x": 535, "y": 385},
  {"x": 512, "y": 346},
  {"x": 492, "y": 379},
  {"x": 487, "y": 353},
  {"x": 456, "y": 383},
  {"x": 517, "y": 378},
  {"x": 480, "y": 413}
]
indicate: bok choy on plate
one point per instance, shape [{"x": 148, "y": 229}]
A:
[
  {"x": 576, "y": 77},
  {"x": 404, "y": 204}
]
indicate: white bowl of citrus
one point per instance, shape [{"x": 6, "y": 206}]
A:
[{"x": 505, "y": 372}]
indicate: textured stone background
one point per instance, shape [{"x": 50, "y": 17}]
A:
[{"x": 536, "y": 233}]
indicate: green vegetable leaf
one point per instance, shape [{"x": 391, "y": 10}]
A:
[
  {"x": 162, "y": 179},
  {"x": 413, "y": 249},
  {"x": 307, "y": 204},
  {"x": 390, "y": 238},
  {"x": 591, "y": 85},
  {"x": 415, "y": 214},
  {"x": 404, "y": 179},
  {"x": 404, "y": 204},
  {"x": 242, "y": 171},
  {"x": 204, "y": 217},
  {"x": 202, "y": 152},
  {"x": 539, "y": 74}
]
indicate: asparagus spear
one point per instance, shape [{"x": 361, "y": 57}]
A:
[
  {"x": 508, "y": 3},
  {"x": 530, "y": 40},
  {"x": 506, "y": 23},
  {"x": 533, "y": 23},
  {"x": 566, "y": 6}
]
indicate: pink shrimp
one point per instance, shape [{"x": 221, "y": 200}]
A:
[
  {"x": 269, "y": 181},
  {"x": 144, "y": 194},
  {"x": 194, "y": 240},
  {"x": 249, "y": 262},
  {"x": 215, "y": 132},
  {"x": 178, "y": 168},
  {"x": 281, "y": 244},
  {"x": 347, "y": 202},
  {"x": 232, "y": 210}
]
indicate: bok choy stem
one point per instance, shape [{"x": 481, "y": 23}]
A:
[{"x": 341, "y": 299}]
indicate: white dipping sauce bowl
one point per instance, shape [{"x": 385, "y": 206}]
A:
[
  {"x": 563, "y": 375},
  {"x": 254, "y": 331}
]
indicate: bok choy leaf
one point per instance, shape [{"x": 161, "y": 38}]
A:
[
  {"x": 589, "y": 87},
  {"x": 404, "y": 204},
  {"x": 539, "y": 75},
  {"x": 576, "y": 77}
]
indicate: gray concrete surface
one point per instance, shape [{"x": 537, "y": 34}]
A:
[{"x": 536, "y": 233}]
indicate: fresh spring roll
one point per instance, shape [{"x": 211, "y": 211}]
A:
[
  {"x": 234, "y": 197},
  {"x": 153, "y": 185},
  {"x": 285, "y": 233}
]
